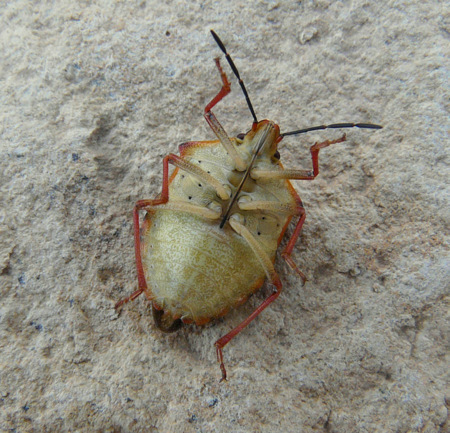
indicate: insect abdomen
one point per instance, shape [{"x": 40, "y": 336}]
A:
[{"x": 195, "y": 270}]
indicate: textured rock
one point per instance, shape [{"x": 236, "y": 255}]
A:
[{"x": 94, "y": 95}]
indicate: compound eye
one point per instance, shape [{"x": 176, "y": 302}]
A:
[
  {"x": 240, "y": 136},
  {"x": 276, "y": 155}
]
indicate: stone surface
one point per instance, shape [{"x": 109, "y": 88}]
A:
[{"x": 94, "y": 95}]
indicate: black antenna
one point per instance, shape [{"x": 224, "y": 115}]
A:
[
  {"x": 236, "y": 72},
  {"x": 335, "y": 126}
]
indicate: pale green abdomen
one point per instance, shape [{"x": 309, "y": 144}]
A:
[{"x": 194, "y": 269}]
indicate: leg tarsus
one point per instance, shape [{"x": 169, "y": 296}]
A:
[
  {"x": 222, "y": 365},
  {"x": 132, "y": 297},
  {"x": 315, "y": 148},
  {"x": 288, "y": 259},
  {"x": 224, "y": 91}
]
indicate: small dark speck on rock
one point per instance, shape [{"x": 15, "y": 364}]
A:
[
  {"x": 25, "y": 408},
  {"x": 213, "y": 402},
  {"x": 21, "y": 279},
  {"x": 192, "y": 419},
  {"x": 75, "y": 157},
  {"x": 37, "y": 326}
]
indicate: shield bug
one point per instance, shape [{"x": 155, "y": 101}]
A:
[{"x": 210, "y": 238}]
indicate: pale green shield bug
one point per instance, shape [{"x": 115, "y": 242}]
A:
[{"x": 210, "y": 239}]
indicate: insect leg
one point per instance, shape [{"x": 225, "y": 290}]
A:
[
  {"x": 292, "y": 209},
  {"x": 298, "y": 174},
  {"x": 286, "y": 254},
  {"x": 142, "y": 284},
  {"x": 201, "y": 174},
  {"x": 217, "y": 127},
  {"x": 223, "y": 341},
  {"x": 132, "y": 297},
  {"x": 270, "y": 206},
  {"x": 142, "y": 204},
  {"x": 214, "y": 212},
  {"x": 315, "y": 148},
  {"x": 224, "y": 91},
  {"x": 273, "y": 276}
]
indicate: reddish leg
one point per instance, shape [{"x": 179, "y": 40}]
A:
[
  {"x": 223, "y": 91},
  {"x": 298, "y": 174},
  {"x": 315, "y": 152},
  {"x": 223, "y": 341},
  {"x": 315, "y": 148},
  {"x": 286, "y": 254},
  {"x": 142, "y": 204},
  {"x": 217, "y": 127}
]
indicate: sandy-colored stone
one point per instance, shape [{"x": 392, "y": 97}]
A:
[{"x": 94, "y": 95}]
